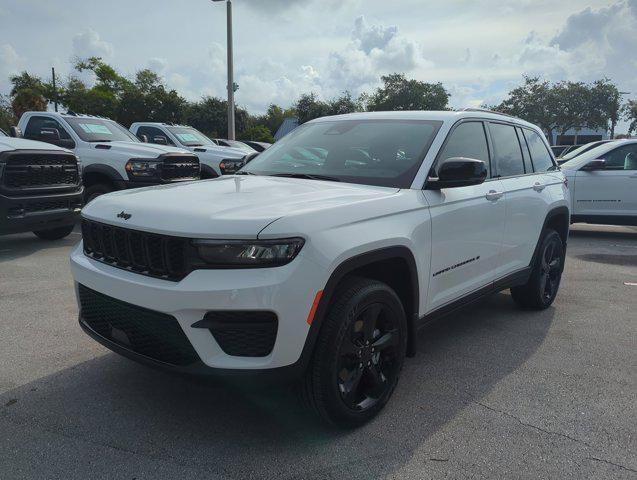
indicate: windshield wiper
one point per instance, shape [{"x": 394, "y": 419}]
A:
[
  {"x": 308, "y": 176},
  {"x": 96, "y": 141}
]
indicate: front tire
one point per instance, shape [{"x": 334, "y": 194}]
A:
[
  {"x": 94, "y": 191},
  {"x": 54, "y": 233},
  {"x": 541, "y": 289},
  {"x": 359, "y": 353}
]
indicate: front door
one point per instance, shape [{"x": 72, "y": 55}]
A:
[
  {"x": 467, "y": 223},
  {"x": 611, "y": 191}
]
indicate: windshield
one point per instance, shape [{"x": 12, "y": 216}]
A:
[
  {"x": 190, "y": 137},
  {"x": 100, "y": 130},
  {"x": 372, "y": 152},
  {"x": 240, "y": 145},
  {"x": 592, "y": 154},
  {"x": 580, "y": 150},
  {"x": 3, "y": 133}
]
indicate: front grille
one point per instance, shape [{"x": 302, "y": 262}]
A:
[
  {"x": 28, "y": 170},
  {"x": 153, "y": 334},
  {"x": 242, "y": 333},
  {"x": 150, "y": 254},
  {"x": 175, "y": 167}
]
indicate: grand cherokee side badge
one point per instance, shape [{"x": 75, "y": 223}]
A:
[{"x": 124, "y": 215}]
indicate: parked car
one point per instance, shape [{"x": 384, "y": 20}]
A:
[
  {"x": 323, "y": 266},
  {"x": 258, "y": 146},
  {"x": 215, "y": 160},
  {"x": 560, "y": 149},
  {"x": 603, "y": 184},
  {"x": 112, "y": 158},
  {"x": 572, "y": 153},
  {"x": 40, "y": 188},
  {"x": 235, "y": 144}
]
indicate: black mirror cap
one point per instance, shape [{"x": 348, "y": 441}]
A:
[
  {"x": 249, "y": 157},
  {"x": 458, "y": 172},
  {"x": 143, "y": 138},
  {"x": 15, "y": 132},
  {"x": 597, "y": 164}
]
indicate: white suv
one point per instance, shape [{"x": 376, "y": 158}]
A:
[
  {"x": 603, "y": 184},
  {"x": 111, "y": 157},
  {"x": 215, "y": 160},
  {"x": 322, "y": 257}
]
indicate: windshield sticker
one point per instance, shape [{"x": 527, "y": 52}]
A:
[
  {"x": 186, "y": 137},
  {"x": 95, "y": 128}
]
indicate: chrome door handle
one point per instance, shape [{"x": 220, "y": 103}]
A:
[
  {"x": 493, "y": 195},
  {"x": 538, "y": 187}
]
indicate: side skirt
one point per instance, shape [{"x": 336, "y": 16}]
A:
[
  {"x": 605, "y": 219},
  {"x": 512, "y": 280}
]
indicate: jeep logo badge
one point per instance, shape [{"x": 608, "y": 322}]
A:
[{"x": 124, "y": 215}]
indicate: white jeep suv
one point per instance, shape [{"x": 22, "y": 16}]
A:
[
  {"x": 215, "y": 160},
  {"x": 603, "y": 184},
  {"x": 322, "y": 257}
]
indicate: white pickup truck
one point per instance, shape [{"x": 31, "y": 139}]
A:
[
  {"x": 111, "y": 157},
  {"x": 215, "y": 160}
]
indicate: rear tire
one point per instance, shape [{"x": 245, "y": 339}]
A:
[
  {"x": 541, "y": 289},
  {"x": 359, "y": 353},
  {"x": 54, "y": 233},
  {"x": 94, "y": 191}
]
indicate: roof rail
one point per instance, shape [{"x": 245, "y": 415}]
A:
[{"x": 486, "y": 110}]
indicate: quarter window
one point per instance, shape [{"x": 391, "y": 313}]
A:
[
  {"x": 540, "y": 155},
  {"x": 507, "y": 152},
  {"x": 467, "y": 140}
]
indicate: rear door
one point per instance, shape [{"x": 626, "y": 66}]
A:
[
  {"x": 611, "y": 191},
  {"x": 467, "y": 223},
  {"x": 525, "y": 193}
]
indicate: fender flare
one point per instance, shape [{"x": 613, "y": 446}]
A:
[
  {"x": 106, "y": 170},
  {"x": 555, "y": 212},
  {"x": 348, "y": 266},
  {"x": 209, "y": 171}
]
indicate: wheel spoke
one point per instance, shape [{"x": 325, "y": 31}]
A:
[
  {"x": 350, "y": 384},
  {"x": 389, "y": 339},
  {"x": 370, "y": 316},
  {"x": 376, "y": 379},
  {"x": 348, "y": 347}
]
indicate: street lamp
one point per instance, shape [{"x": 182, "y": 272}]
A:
[{"x": 232, "y": 87}]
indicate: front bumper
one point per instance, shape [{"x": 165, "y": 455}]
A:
[
  {"x": 288, "y": 291},
  {"x": 39, "y": 212}
]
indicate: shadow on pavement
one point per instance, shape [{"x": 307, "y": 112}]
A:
[
  {"x": 222, "y": 429},
  {"x": 13, "y": 247}
]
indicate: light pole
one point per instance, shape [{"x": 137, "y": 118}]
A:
[{"x": 231, "y": 85}]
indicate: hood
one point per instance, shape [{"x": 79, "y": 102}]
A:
[
  {"x": 139, "y": 149},
  {"x": 225, "y": 207},
  {"x": 218, "y": 152},
  {"x": 11, "y": 143}
]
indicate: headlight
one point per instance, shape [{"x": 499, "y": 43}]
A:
[
  {"x": 229, "y": 166},
  {"x": 142, "y": 168},
  {"x": 248, "y": 253}
]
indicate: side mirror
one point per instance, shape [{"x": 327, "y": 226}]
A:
[
  {"x": 597, "y": 164},
  {"x": 249, "y": 157},
  {"x": 458, "y": 172},
  {"x": 15, "y": 132},
  {"x": 50, "y": 134},
  {"x": 143, "y": 138},
  {"x": 160, "y": 139}
]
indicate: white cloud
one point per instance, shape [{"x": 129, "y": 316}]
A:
[
  {"x": 10, "y": 64},
  {"x": 88, "y": 44},
  {"x": 157, "y": 65}
]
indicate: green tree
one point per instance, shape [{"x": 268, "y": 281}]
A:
[
  {"x": 606, "y": 105},
  {"x": 7, "y": 119},
  {"x": 308, "y": 107},
  {"x": 210, "y": 116},
  {"x": 343, "y": 104},
  {"x": 27, "y": 94},
  {"x": 399, "y": 93},
  {"x": 257, "y": 133},
  {"x": 630, "y": 115}
]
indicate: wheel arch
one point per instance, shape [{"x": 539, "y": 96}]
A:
[
  {"x": 395, "y": 266},
  {"x": 559, "y": 219},
  {"x": 97, "y": 173}
]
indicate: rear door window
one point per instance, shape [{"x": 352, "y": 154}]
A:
[
  {"x": 540, "y": 155},
  {"x": 506, "y": 150}
]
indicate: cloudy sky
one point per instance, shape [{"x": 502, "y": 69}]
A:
[{"x": 479, "y": 49}]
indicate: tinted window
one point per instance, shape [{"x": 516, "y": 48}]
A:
[
  {"x": 528, "y": 166},
  {"x": 540, "y": 155},
  {"x": 372, "y": 152},
  {"x": 151, "y": 133},
  {"x": 467, "y": 140},
  {"x": 507, "y": 152},
  {"x": 622, "y": 158},
  {"x": 36, "y": 124}
]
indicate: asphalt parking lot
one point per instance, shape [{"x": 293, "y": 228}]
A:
[{"x": 494, "y": 392}]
